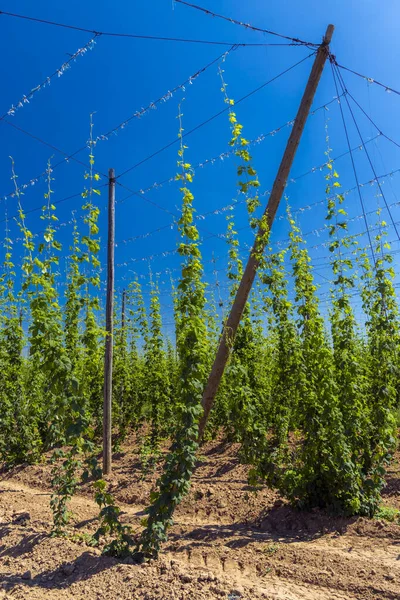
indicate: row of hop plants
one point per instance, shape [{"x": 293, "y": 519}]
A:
[{"x": 311, "y": 401}]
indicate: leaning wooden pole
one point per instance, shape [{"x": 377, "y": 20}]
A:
[
  {"x": 242, "y": 294},
  {"x": 108, "y": 357}
]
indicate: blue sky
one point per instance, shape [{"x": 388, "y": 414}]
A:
[{"x": 119, "y": 76}]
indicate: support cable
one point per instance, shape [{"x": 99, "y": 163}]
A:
[{"x": 354, "y": 167}]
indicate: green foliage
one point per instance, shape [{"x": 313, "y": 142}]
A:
[
  {"x": 91, "y": 375},
  {"x": 321, "y": 471},
  {"x": 155, "y": 377},
  {"x": 382, "y": 326},
  {"x": 19, "y": 436},
  {"x": 156, "y": 389},
  {"x": 245, "y": 389},
  {"x": 312, "y": 401},
  {"x": 64, "y": 482},
  {"x": 388, "y": 513},
  {"x": 73, "y": 304},
  {"x": 192, "y": 351},
  {"x": 53, "y": 387},
  {"x": 287, "y": 360},
  {"x": 347, "y": 350},
  {"x": 131, "y": 402},
  {"x": 248, "y": 180},
  {"x": 121, "y": 372},
  {"x": 110, "y": 524}
]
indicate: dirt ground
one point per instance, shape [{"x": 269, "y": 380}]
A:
[{"x": 228, "y": 542}]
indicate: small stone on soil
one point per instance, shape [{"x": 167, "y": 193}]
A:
[
  {"x": 21, "y": 518},
  {"x": 68, "y": 569},
  {"x": 26, "y": 575}
]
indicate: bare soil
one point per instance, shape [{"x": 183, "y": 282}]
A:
[{"x": 229, "y": 541}]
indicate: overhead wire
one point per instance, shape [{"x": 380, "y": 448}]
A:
[
  {"x": 169, "y": 94},
  {"x": 121, "y": 125},
  {"x": 221, "y": 112},
  {"x": 219, "y": 210},
  {"x": 72, "y": 156},
  {"x": 58, "y": 72},
  {"x": 38, "y": 208},
  {"x": 246, "y": 25},
  {"x": 369, "y": 117},
  {"x": 278, "y": 243},
  {"x": 49, "y": 145},
  {"x": 156, "y": 185},
  {"x": 174, "y": 214},
  {"x": 144, "y": 37},
  {"x": 369, "y": 79},
  {"x": 224, "y": 208},
  {"x": 324, "y": 228},
  {"x": 353, "y": 163},
  {"x": 231, "y": 152},
  {"x": 214, "y": 235},
  {"x": 216, "y": 284},
  {"x": 314, "y": 267},
  {"x": 367, "y": 153}
]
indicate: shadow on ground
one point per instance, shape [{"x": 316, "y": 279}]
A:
[{"x": 82, "y": 568}]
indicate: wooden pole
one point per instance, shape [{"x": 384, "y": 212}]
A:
[
  {"x": 233, "y": 320},
  {"x": 108, "y": 357},
  {"x": 123, "y": 312}
]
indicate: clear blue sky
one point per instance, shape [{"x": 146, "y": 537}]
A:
[{"x": 120, "y": 76}]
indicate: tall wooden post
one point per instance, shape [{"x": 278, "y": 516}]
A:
[
  {"x": 123, "y": 311},
  {"x": 108, "y": 357},
  {"x": 232, "y": 322}
]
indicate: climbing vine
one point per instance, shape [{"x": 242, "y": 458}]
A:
[{"x": 192, "y": 351}]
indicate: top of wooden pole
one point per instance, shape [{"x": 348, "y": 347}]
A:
[{"x": 328, "y": 35}]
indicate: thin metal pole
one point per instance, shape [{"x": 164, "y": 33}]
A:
[
  {"x": 108, "y": 356},
  {"x": 242, "y": 294}
]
